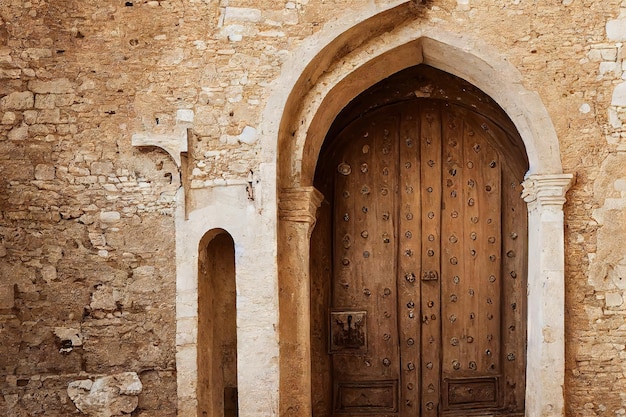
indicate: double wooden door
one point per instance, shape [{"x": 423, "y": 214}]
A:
[{"x": 427, "y": 314}]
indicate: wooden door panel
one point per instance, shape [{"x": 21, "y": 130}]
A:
[
  {"x": 365, "y": 265},
  {"x": 430, "y": 142},
  {"x": 514, "y": 272},
  {"x": 471, "y": 289},
  {"x": 429, "y": 250}
]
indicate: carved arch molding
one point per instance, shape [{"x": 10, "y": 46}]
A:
[{"x": 320, "y": 89}]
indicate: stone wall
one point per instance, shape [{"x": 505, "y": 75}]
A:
[{"x": 87, "y": 228}]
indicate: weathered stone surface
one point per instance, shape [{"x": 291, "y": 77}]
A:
[
  {"x": 110, "y": 396},
  {"x": 87, "y": 219},
  {"x": 45, "y": 172},
  {"x": 58, "y": 86},
  {"x": 18, "y": 133},
  {"x": 241, "y": 14},
  {"x": 17, "y": 101},
  {"x": 109, "y": 216}
]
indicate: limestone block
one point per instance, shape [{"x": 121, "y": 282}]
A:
[
  {"x": 49, "y": 273},
  {"x": 101, "y": 168},
  {"x": 58, "y": 86},
  {"x": 18, "y": 133},
  {"x": 18, "y": 101},
  {"x": 110, "y": 396},
  {"x": 616, "y": 29},
  {"x": 184, "y": 115},
  {"x": 103, "y": 299},
  {"x": 619, "y": 95},
  {"x": 8, "y": 118},
  {"x": 172, "y": 57},
  {"x": 610, "y": 68},
  {"x": 9, "y": 73},
  {"x": 45, "y": 101},
  {"x": 30, "y": 116},
  {"x": 143, "y": 280},
  {"x": 241, "y": 14},
  {"x": 49, "y": 116},
  {"x": 248, "y": 136},
  {"x": 109, "y": 216},
  {"x": 36, "y": 53},
  {"x": 45, "y": 172},
  {"x": 613, "y": 299}
]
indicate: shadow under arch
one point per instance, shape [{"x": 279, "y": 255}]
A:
[
  {"x": 328, "y": 71},
  {"x": 217, "y": 326}
]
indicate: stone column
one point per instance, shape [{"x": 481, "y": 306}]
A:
[
  {"x": 297, "y": 209},
  {"x": 545, "y": 367}
]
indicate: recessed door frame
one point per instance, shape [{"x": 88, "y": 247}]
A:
[{"x": 324, "y": 74}]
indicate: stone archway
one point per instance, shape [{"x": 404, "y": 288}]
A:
[{"x": 353, "y": 58}]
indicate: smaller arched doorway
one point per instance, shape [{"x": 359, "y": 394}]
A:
[
  {"x": 217, "y": 326},
  {"x": 418, "y": 268}
]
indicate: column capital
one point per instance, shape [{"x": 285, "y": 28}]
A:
[
  {"x": 546, "y": 189},
  {"x": 299, "y": 204}
]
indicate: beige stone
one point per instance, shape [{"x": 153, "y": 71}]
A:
[
  {"x": 18, "y": 133},
  {"x": 57, "y": 86},
  {"x": 147, "y": 126},
  {"x": 17, "y": 101},
  {"x": 45, "y": 172},
  {"x": 108, "y": 396}
]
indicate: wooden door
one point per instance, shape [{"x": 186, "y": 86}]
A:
[{"x": 429, "y": 236}]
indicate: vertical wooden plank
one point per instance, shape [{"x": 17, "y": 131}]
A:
[
  {"x": 345, "y": 291},
  {"x": 365, "y": 262},
  {"x": 409, "y": 243},
  {"x": 430, "y": 145},
  {"x": 484, "y": 257},
  {"x": 380, "y": 230},
  {"x": 490, "y": 254},
  {"x": 514, "y": 235},
  {"x": 455, "y": 282}
]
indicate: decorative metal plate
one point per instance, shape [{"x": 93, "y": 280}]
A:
[{"x": 348, "y": 332}]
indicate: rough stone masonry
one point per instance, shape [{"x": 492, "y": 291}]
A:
[{"x": 87, "y": 220}]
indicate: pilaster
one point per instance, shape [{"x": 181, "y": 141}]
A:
[
  {"x": 297, "y": 208},
  {"x": 545, "y": 195}
]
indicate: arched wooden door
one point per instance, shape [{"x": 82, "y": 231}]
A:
[{"x": 427, "y": 314}]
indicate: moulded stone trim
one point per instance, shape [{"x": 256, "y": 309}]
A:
[
  {"x": 316, "y": 85},
  {"x": 370, "y": 58}
]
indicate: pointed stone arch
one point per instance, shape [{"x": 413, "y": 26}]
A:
[{"x": 323, "y": 76}]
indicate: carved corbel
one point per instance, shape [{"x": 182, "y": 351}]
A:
[
  {"x": 174, "y": 143},
  {"x": 300, "y": 205}
]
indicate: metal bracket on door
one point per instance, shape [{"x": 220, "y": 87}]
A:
[{"x": 430, "y": 276}]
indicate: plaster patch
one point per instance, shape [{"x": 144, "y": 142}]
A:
[{"x": 619, "y": 95}]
